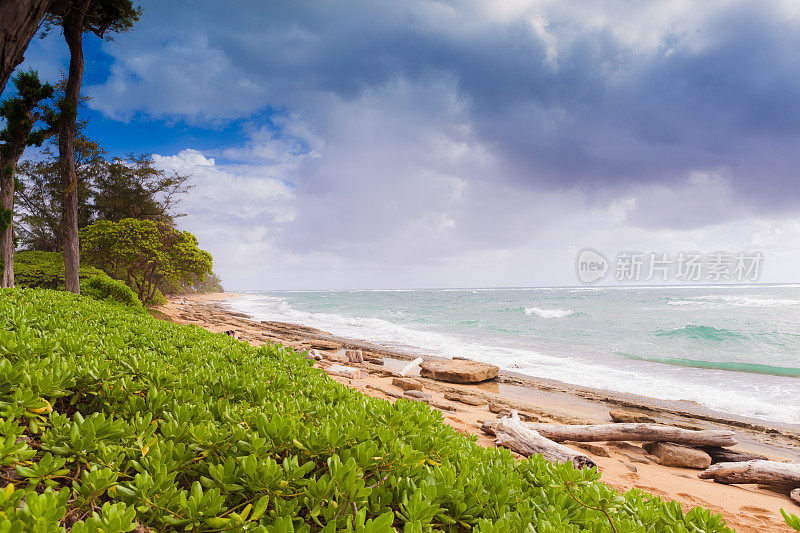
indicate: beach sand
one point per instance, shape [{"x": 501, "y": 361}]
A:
[{"x": 747, "y": 508}]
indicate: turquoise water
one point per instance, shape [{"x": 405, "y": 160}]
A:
[{"x": 734, "y": 349}]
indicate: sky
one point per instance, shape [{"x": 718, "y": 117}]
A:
[{"x": 385, "y": 144}]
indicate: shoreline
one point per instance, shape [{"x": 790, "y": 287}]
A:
[{"x": 748, "y": 508}]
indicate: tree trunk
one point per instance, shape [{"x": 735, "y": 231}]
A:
[
  {"x": 635, "y": 432},
  {"x": 785, "y": 476},
  {"x": 73, "y": 34},
  {"x": 7, "y": 235},
  {"x": 511, "y": 433},
  {"x": 19, "y": 22}
]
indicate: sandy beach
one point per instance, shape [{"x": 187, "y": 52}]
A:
[{"x": 748, "y": 508}]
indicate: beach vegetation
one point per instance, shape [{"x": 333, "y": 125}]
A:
[
  {"x": 144, "y": 254},
  {"x": 111, "y": 419}
]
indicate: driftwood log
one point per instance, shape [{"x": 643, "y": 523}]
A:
[
  {"x": 784, "y": 476},
  {"x": 511, "y": 433},
  {"x": 723, "y": 455},
  {"x": 410, "y": 366},
  {"x": 795, "y": 495},
  {"x": 635, "y": 432}
]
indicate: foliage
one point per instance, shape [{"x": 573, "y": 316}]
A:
[
  {"x": 134, "y": 188},
  {"x": 108, "y": 189},
  {"x": 208, "y": 284},
  {"x": 792, "y": 520},
  {"x": 20, "y": 115},
  {"x": 100, "y": 17},
  {"x": 105, "y": 288},
  {"x": 144, "y": 253},
  {"x": 45, "y": 270},
  {"x": 121, "y": 418}
]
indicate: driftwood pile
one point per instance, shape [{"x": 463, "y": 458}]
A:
[{"x": 731, "y": 467}]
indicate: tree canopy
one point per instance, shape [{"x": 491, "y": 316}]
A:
[{"x": 144, "y": 254}]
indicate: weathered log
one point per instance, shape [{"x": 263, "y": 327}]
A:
[
  {"x": 634, "y": 432},
  {"x": 795, "y": 495},
  {"x": 406, "y": 369},
  {"x": 511, "y": 433},
  {"x": 723, "y": 455},
  {"x": 785, "y": 476}
]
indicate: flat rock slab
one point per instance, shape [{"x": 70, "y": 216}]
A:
[
  {"x": 320, "y": 344},
  {"x": 468, "y": 399},
  {"x": 626, "y": 417},
  {"x": 417, "y": 395},
  {"x": 674, "y": 455},
  {"x": 591, "y": 447},
  {"x": 407, "y": 384},
  {"x": 458, "y": 371}
]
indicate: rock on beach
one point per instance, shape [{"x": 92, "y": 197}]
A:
[{"x": 458, "y": 371}]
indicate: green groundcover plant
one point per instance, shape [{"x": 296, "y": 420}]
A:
[{"x": 111, "y": 420}]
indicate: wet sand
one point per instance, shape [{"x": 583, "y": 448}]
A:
[{"x": 747, "y": 508}]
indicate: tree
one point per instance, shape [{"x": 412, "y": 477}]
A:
[
  {"x": 107, "y": 190},
  {"x": 21, "y": 113},
  {"x": 102, "y": 18},
  {"x": 19, "y": 22},
  {"x": 40, "y": 194},
  {"x": 144, "y": 254},
  {"x": 134, "y": 188}
]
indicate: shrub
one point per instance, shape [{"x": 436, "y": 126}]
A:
[
  {"x": 105, "y": 288},
  {"x": 114, "y": 418},
  {"x": 45, "y": 270}
]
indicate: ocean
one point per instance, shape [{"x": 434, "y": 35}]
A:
[{"x": 735, "y": 349}]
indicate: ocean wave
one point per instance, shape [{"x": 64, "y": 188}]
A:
[
  {"x": 548, "y": 313},
  {"x": 721, "y": 301},
  {"x": 702, "y": 332},
  {"x": 731, "y": 366},
  {"x": 744, "y": 393}
]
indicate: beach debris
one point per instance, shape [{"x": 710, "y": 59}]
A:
[
  {"x": 315, "y": 354},
  {"x": 469, "y": 399},
  {"x": 417, "y": 395},
  {"x": 784, "y": 476},
  {"x": 626, "y": 417},
  {"x": 503, "y": 410},
  {"x": 230, "y": 332},
  {"x": 344, "y": 371},
  {"x": 511, "y": 433},
  {"x": 636, "y": 432},
  {"x": 407, "y": 384},
  {"x": 795, "y": 496},
  {"x": 675, "y": 455},
  {"x": 410, "y": 366},
  {"x": 459, "y": 371},
  {"x": 594, "y": 449},
  {"x": 723, "y": 455},
  {"x": 354, "y": 356}
]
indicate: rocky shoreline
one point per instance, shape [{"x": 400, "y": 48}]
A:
[{"x": 467, "y": 407}]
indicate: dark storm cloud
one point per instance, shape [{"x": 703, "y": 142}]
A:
[{"x": 719, "y": 93}]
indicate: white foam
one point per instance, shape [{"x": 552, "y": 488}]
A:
[{"x": 548, "y": 313}]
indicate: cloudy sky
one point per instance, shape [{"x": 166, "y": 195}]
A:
[{"x": 378, "y": 144}]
